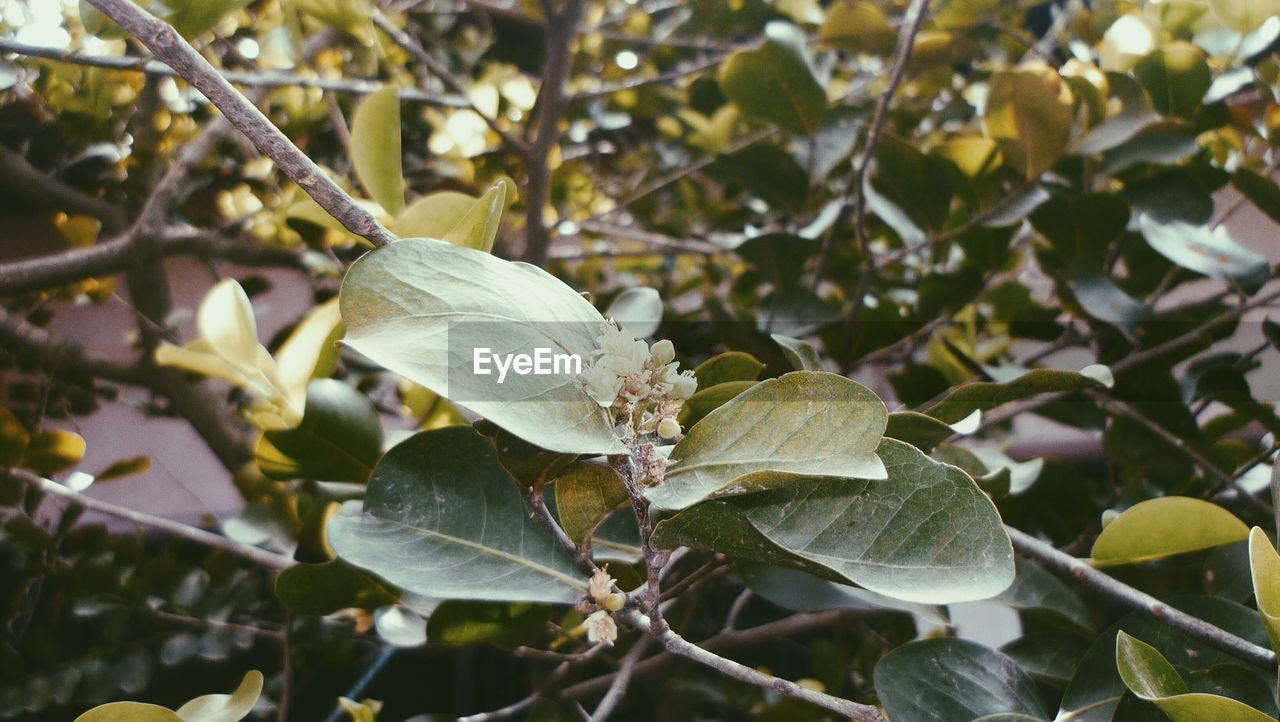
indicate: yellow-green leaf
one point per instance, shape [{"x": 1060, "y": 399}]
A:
[
  {"x": 350, "y": 16},
  {"x": 858, "y": 26},
  {"x": 129, "y": 712},
  {"x": 125, "y": 467},
  {"x": 478, "y": 227},
  {"x": 1176, "y": 76},
  {"x": 1162, "y": 527},
  {"x": 14, "y": 438},
  {"x": 775, "y": 81},
  {"x": 1150, "y": 676},
  {"x": 225, "y": 707},
  {"x": 1264, "y": 564},
  {"x": 375, "y": 148},
  {"x": 54, "y": 450},
  {"x": 585, "y": 494},
  {"x": 433, "y": 215},
  {"x": 310, "y": 351},
  {"x": 1029, "y": 114}
]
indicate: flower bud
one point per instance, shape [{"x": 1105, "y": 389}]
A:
[
  {"x": 669, "y": 428},
  {"x": 614, "y": 601},
  {"x": 662, "y": 351}
]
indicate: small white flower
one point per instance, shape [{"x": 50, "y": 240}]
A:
[
  {"x": 601, "y": 627},
  {"x": 602, "y": 384},
  {"x": 669, "y": 428},
  {"x": 683, "y": 385},
  {"x": 662, "y": 352},
  {"x": 600, "y": 585}
]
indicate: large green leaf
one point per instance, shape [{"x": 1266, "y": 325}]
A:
[
  {"x": 954, "y": 680},
  {"x": 986, "y": 395},
  {"x": 726, "y": 367},
  {"x": 1150, "y": 676},
  {"x": 925, "y": 534},
  {"x": 637, "y": 310},
  {"x": 913, "y": 182},
  {"x": 1260, "y": 189},
  {"x": 420, "y": 307},
  {"x": 1211, "y": 252},
  {"x": 1162, "y": 527},
  {"x": 801, "y": 424},
  {"x": 375, "y": 148},
  {"x": 319, "y": 589},
  {"x": 1029, "y": 114},
  {"x": 443, "y": 519},
  {"x": 1176, "y": 77},
  {"x": 776, "y": 81},
  {"x": 339, "y": 439},
  {"x": 1034, "y": 589},
  {"x": 800, "y": 592}
]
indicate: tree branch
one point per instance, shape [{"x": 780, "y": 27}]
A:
[
  {"x": 355, "y": 86},
  {"x": 169, "y": 47},
  {"x": 562, "y": 30},
  {"x": 178, "y": 529},
  {"x": 1140, "y": 601},
  {"x": 64, "y": 356},
  {"x": 32, "y": 185},
  {"x": 857, "y": 205},
  {"x": 676, "y": 644},
  {"x": 618, "y": 687},
  {"x": 451, "y": 81}
]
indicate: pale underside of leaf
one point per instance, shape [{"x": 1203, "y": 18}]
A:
[
  {"x": 801, "y": 424},
  {"x": 420, "y": 307},
  {"x": 926, "y": 534}
]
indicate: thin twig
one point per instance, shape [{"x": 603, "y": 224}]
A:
[
  {"x": 441, "y": 71},
  {"x": 167, "y": 45},
  {"x": 618, "y": 687},
  {"x": 562, "y": 29},
  {"x": 178, "y": 529},
  {"x": 857, "y": 204},
  {"x": 149, "y": 66},
  {"x": 676, "y": 644},
  {"x": 1140, "y": 601}
]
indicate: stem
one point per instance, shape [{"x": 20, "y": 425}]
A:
[
  {"x": 676, "y": 644},
  {"x": 162, "y": 40},
  {"x": 857, "y": 205},
  {"x": 618, "y": 687},
  {"x": 178, "y": 529},
  {"x": 355, "y": 86},
  {"x": 1140, "y": 601}
]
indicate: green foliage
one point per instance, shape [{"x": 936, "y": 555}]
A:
[{"x": 1047, "y": 227}]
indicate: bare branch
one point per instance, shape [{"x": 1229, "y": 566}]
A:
[
  {"x": 168, "y": 46},
  {"x": 857, "y": 205},
  {"x": 355, "y": 86},
  {"x": 679, "y": 73},
  {"x": 178, "y": 529},
  {"x": 618, "y": 687},
  {"x": 676, "y": 644},
  {"x": 562, "y": 30},
  {"x": 64, "y": 356},
  {"x": 441, "y": 71},
  {"x": 1098, "y": 581},
  {"x": 32, "y": 185}
]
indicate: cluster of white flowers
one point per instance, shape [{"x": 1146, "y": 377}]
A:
[
  {"x": 638, "y": 383},
  {"x": 600, "y": 624}
]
